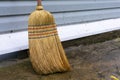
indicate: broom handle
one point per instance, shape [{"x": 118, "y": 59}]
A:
[{"x": 39, "y": 3}]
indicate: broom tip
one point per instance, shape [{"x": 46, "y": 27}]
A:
[{"x": 39, "y": 3}]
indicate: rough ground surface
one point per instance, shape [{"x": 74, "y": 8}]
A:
[{"x": 89, "y": 62}]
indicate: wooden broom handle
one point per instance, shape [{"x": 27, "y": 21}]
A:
[{"x": 39, "y": 3}]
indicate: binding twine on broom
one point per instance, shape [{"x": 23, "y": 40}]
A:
[{"x": 46, "y": 52}]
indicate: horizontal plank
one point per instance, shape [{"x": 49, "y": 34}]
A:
[
  {"x": 84, "y": 16},
  {"x": 13, "y": 23},
  {"x": 26, "y": 7}
]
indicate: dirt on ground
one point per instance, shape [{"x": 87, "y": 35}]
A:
[{"x": 96, "y": 61}]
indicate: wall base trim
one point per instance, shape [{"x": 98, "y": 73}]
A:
[{"x": 18, "y": 41}]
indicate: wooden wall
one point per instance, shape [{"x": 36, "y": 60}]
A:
[{"x": 14, "y": 13}]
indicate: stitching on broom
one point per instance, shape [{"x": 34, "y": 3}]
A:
[
  {"x": 43, "y": 33},
  {"x": 42, "y": 37},
  {"x": 34, "y": 28},
  {"x": 42, "y": 30},
  {"x": 42, "y": 25}
]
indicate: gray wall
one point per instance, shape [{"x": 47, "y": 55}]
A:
[{"x": 14, "y": 13}]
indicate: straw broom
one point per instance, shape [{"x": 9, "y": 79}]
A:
[{"x": 46, "y": 51}]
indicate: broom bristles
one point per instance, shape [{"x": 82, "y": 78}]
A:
[{"x": 46, "y": 52}]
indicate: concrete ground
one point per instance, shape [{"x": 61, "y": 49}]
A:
[{"x": 96, "y": 61}]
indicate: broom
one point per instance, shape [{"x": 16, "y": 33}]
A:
[{"x": 46, "y": 51}]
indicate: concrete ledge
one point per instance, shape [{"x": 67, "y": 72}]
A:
[{"x": 14, "y": 55}]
